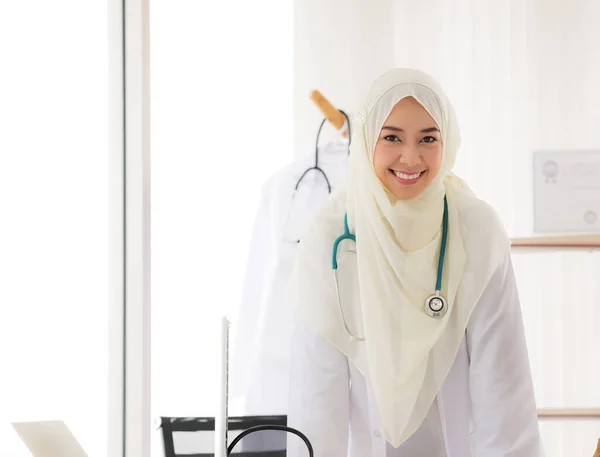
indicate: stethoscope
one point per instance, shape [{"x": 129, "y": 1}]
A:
[
  {"x": 316, "y": 168},
  {"x": 435, "y": 306}
]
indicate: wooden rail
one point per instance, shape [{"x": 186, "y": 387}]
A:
[
  {"x": 569, "y": 413},
  {"x": 565, "y": 241}
]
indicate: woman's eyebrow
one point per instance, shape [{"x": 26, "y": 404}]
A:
[{"x": 398, "y": 129}]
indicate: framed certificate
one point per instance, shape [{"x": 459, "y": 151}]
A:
[{"x": 566, "y": 191}]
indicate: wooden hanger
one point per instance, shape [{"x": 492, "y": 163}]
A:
[{"x": 333, "y": 115}]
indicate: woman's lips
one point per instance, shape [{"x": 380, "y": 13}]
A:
[{"x": 407, "y": 179}]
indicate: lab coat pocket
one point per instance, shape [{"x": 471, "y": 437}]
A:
[{"x": 348, "y": 290}]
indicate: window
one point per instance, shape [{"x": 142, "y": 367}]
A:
[
  {"x": 221, "y": 125},
  {"x": 54, "y": 180}
]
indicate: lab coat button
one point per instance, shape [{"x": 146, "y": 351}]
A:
[{"x": 377, "y": 433}]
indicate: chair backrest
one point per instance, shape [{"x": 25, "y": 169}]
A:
[{"x": 194, "y": 436}]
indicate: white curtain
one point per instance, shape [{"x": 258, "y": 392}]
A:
[{"x": 523, "y": 76}]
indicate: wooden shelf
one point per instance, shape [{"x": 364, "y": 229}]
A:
[
  {"x": 564, "y": 241},
  {"x": 569, "y": 413}
]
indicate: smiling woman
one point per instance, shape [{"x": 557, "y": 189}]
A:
[{"x": 420, "y": 380}]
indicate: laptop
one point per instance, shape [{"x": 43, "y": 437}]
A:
[
  {"x": 222, "y": 416},
  {"x": 49, "y": 439}
]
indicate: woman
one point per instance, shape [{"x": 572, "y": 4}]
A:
[{"x": 423, "y": 352}]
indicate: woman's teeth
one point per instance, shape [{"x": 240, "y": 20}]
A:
[{"x": 405, "y": 176}]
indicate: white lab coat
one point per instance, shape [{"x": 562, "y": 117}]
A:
[
  {"x": 486, "y": 406},
  {"x": 259, "y": 367}
]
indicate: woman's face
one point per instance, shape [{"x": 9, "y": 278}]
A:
[{"x": 408, "y": 152}]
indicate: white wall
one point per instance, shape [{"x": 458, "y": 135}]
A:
[{"x": 340, "y": 47}]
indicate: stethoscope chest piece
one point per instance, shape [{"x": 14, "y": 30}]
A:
[{"x": 436, "y": 306}]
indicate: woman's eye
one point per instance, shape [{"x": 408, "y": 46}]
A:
[
  {"x": 429, "y": 139},
  {"x": 392, "y": 138}
]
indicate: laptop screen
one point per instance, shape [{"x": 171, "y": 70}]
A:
[{"x": 49, "y": 439}]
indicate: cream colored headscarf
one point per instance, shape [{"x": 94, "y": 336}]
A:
[{"x": 406, "y": 354}]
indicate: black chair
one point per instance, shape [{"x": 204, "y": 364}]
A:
[{"x": 194, "y": 436}]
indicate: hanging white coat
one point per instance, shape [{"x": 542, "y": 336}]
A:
[{"x": 260, "y": 354}]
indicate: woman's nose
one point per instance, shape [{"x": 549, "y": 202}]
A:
[{"x": 410, "y": 157}]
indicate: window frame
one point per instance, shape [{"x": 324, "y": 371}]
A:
[{"x": 129, "y": 169}]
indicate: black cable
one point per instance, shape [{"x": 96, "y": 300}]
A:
[{"x": 282, "y": 428}]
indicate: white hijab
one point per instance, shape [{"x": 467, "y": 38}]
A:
[{"x": 406, "y": 354}]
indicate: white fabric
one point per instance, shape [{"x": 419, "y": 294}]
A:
[
  {"x": 407, "y": 354},
  {"x": 260, "y": 349},
  {"x": 485, "y": 407}
]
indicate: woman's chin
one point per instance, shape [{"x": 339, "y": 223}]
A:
[{"x": 403, "y": 193}]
